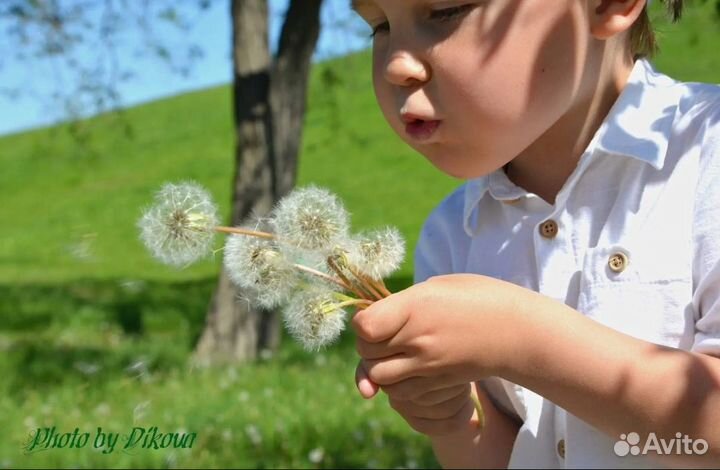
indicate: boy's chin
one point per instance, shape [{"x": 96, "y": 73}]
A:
[{"x": 460, "y": 170}]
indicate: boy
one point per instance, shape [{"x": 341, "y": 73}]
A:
[{"x": 587, "y": 317}]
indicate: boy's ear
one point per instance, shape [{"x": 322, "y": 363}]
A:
[{"x": 611, "y": 17}]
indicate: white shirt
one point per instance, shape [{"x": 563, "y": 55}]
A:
[{"x": 644, "y": 197}]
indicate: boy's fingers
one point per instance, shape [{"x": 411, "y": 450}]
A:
[
  {"x": 380, "y": 350},
  {"x": 442, "y": 395},
  {"x": 391, "y": 370},
  {"x": 381, "y": 321},
  {"x": 367, "y": 387}
]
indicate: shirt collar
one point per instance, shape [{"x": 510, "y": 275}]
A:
[{"x": 637, "y": 126}]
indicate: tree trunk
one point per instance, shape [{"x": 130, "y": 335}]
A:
[
  {"x": 269, "y": 104},
  {"x": 288, "y": 95},
  {"x": 291, "y": 74}
]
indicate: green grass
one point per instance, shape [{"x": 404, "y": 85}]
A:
[
  {"x": 92, "y": 362},
  {"x": 93, "y": 332}
]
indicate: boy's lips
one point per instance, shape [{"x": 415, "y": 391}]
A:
[{"x": 419, "y": 128}]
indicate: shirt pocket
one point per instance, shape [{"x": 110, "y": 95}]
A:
[{"x": 641, "y": 290}]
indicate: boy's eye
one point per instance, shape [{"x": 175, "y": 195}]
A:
[
  {"x": 445, "y": 14},
  {"x": 451, "y": 13}
]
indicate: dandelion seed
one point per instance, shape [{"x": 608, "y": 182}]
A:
[
  {"x": 179, "y": 228},
  {"x": 103, "y": 409},
  {"x": 253, "y": 433},
  {"x": 257, "y": 264},
  {"x": 87, "y": 368},
  {"x": 314, "y": 317},
  {"x": 316, "y": 455},
  {"x": 140, "y": 411},
  {"x": 311, "y": 219},
  {"x": 378, "y": 253},
  {"x": 171, "y": 460}
]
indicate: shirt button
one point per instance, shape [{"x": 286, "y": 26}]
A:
[
  {"x": 561, "y": 448},
  {"x": 549, "y": 229},
  {"x": 618, "y": 262}
]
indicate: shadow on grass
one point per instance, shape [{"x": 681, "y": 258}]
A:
[{"x": 90, "y": 330}]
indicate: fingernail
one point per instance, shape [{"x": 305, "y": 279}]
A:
[{"x": 366, "y": 388}]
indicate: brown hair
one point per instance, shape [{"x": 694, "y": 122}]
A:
[{"x": 642, "y": 36}]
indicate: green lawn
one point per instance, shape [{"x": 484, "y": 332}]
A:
[{"x": 94, "y": 333}]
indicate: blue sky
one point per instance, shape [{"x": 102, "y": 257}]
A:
[{"x": 37, "y": 80}]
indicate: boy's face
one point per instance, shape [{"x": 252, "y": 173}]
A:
[{"x": 471, "y": 84}]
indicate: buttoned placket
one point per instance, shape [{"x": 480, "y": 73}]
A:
[
  {"x": 556, "y": 263},
  {"x": 555, "y": 257}
]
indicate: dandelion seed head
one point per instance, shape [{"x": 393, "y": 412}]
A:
[
  {"x": 258, "y": 265},
  {"x": 378, "y": 253},
  {"x": 179, "y": 228},
  {"x": 313, "y": 317},
  {"x": 311, "y": 218}
]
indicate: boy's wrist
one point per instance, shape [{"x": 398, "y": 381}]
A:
[{"x": 522, "y": 340}]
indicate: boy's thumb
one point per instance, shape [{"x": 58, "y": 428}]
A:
[{"x": 367, "y": 387}]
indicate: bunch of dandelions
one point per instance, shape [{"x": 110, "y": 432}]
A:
[{"x": 302, "y": 258}]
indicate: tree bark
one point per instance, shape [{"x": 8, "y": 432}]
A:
[
  {"x": 291, "y": 74},
  {"x": 269, "y": 104},
  {"x": 288, "y": 95}
]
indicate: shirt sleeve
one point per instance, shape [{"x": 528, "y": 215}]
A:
[{"x": 706, "y": 236}]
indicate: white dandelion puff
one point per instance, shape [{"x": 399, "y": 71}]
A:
[
  {"x": 179, "y": 228},
  {"x": 257, "y": 264},
  {"x": 316, "y": 455},
  {"x": 314, "y": 317},
  {"x": 378, "y": 253},
  {"x": 311, "y": 218}
]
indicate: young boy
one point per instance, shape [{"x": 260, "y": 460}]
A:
[{"x": 587, "y": 314}]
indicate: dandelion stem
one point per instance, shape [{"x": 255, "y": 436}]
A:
[
  {"x": 359, "y": 302},
  {"x": 322, "y": 275},
  {"x": 362, "y": 304},
  {"x": 365, "y": 282},
  {"x": 380, "y": 285},
  {"x": 478, "y": 408},
  {"x": 244, "y": 231},
  {"x": 351, "y": 286}
]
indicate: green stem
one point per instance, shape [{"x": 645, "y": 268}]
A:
[
  {"x": 478, "y": 408},
  {"x": 359, "y": 302}
]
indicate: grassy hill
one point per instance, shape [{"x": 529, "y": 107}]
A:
[
  {"x": 93, "y": 332},
  {"x": 73, "y": 210}
]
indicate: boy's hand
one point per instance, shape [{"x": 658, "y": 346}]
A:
[
  {"x": 440, "y": 334},
  {"x": 437, "y": 413}
]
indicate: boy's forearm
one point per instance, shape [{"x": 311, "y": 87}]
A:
[
  {"x": 472, "y": 448},
  {"x": 618, "y": 383}
]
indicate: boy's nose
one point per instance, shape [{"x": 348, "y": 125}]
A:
[{"x": 403, "y": 69}]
